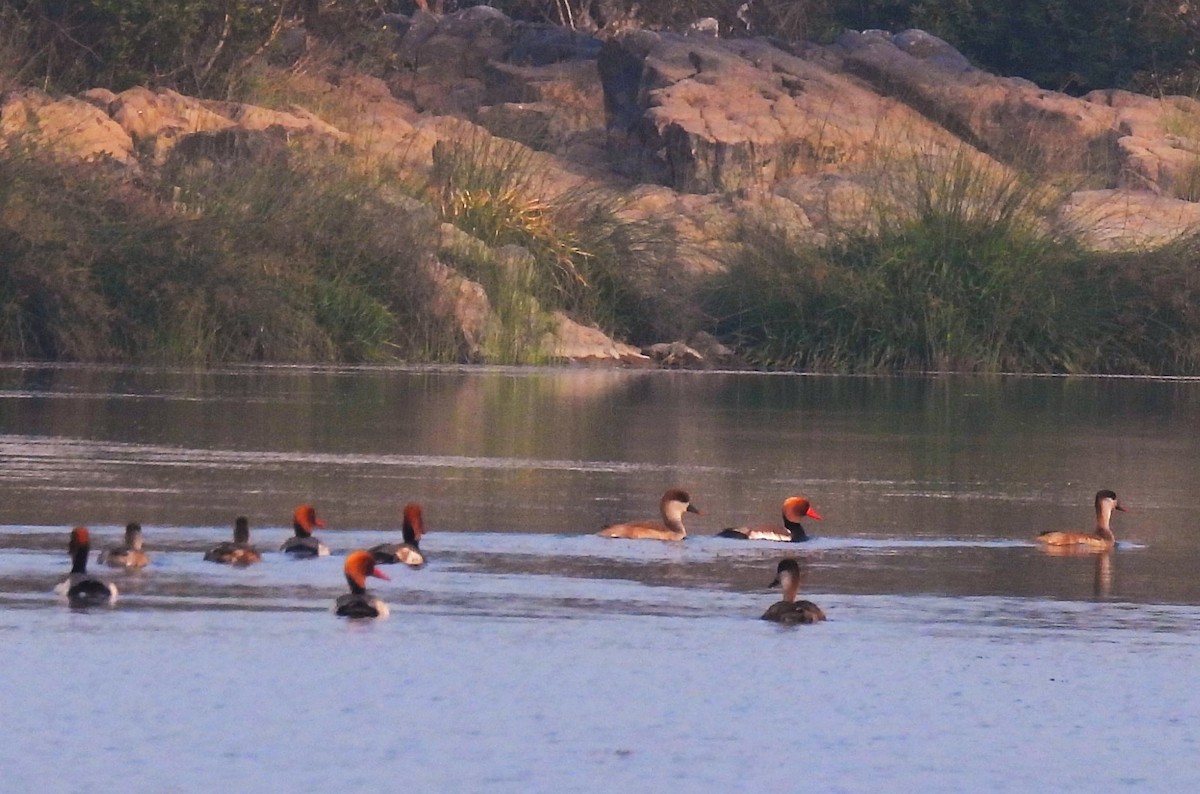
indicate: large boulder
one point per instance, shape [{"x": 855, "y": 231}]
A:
[
  {"x": 1159, "y": 143},
  {"x": 584, "y": 344},
  {"x": 700, "y": 114},
  {"x": 1123, "y": 219},
  {"x": 70, "y": 128}
]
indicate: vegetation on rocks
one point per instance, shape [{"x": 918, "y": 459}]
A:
[
  {"x": 233, "y": 242},
  {"x": 958, "y": 270}
]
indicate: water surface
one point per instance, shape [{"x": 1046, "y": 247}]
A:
[{"x": 530, "y": 655}]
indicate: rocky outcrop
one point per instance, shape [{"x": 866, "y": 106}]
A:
[
  {"x": 700, "y": 114},
  {"x": 72, "y": 129},
  {"x": 1123, "y": 219},
  {"x": 584, "y": 344},
  {"x": 699, "y": 135}
]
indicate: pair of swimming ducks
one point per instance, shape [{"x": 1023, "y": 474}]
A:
[{"x": 82, "y": 589}]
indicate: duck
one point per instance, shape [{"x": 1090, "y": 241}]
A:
[
  {"x": 408, "y": 552},
  {"x": 1102, "y": 538},
  {"x": 303, "y": 545},
  {"x": 239, "y": 552},
  {"x": 794, "y": 509},
  {"x": 360, "y": 602},
  {"x": 80, "y": 588},
  {"x": 129, "y": 554},
  {"x": 789, "y": 610},
  {"x": 675, "y": 502}
]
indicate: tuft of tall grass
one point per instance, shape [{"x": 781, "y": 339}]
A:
[{"x": 588, "y": 255}]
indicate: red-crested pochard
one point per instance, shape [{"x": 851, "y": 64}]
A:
[
  {"x": 408, "y": 552},
  {"x": 303, "y": 545},
  {"x": 129, "y": 554},
  {"x": 789, "y": 610},
  {"x": 239, "y": 551},
  {"x": 80, "y": 588},
  {"x": 1102, "y": 538},
  {"x": 674, "y": 504},
  {"x": 360, "y": 602},
  {"x": 794, "y": 509}
]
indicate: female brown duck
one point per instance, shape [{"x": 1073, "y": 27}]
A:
[
  {"x": 794, "y": 509},
  {"x": 673, "y": 505},
  {"x": 1102, "y": 538},
  {"x": 239, "y": 552},
  {"x": 129, "y": 554},
  {"x": 789, "y": 610}
]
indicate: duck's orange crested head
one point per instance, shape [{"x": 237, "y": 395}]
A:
[
  {"x": 305, "y": 519},
  {"x": 798, "y": 507},
  {"x": 414, "y": 520},
  {"x": 79, "y": 540},
  {"x": 359, "y": 565}
]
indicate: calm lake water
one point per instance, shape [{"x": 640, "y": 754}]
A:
[{"x": 531, "y": 656}]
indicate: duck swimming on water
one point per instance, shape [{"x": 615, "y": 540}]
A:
[
  {"x": 789, "y": 610},
  {"x": 1102, "y": 538},
  {"x": 81, "y": 588},
  {"x": 360, "y": 602},
  {"x": 303, "y": 545},
  {"x": 674, "y": 503},
  {"x": 239, "y": 551},
  {"x": 408, "y": 552},
  {"x": 129, "y": 554},
  {"x": 794, "y": 509}
]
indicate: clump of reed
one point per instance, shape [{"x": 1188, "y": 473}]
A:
[
  {"x": 586, "y": 256},
  {"x": 956, "y": 268}
]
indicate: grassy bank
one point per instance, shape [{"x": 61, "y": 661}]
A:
[
  {"x": 955, "y": 268},
  {"x": 283, "y": 260},
  {"x": 289, "y": 255}
]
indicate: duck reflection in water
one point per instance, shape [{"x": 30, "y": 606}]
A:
[{"x": 1102, "y": 577}]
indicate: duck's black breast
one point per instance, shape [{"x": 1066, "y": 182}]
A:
[
  {"x": 87, "y": 591},
  {"x": 301, "y": 547},
  {"x": 356, "y": 605}
]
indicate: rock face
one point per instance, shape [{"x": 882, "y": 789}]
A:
[
  {"x": 695, "y": 131},
  {"x": 701, "y": 114},
  {"x": 72, "y": 128},
  {"x": 582, "y": 344}
]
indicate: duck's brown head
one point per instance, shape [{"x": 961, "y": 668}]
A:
[
  {"x": 241, "y": 530},
  {"x": 304, "y": 520},
  {"x": 1102, "y": 496},
  {"x": 133, "y": 535},
  {"x": 682, "y": 497},
  {"x": 798, "y": 507},
  {"x": 359, "y": 565},
  {"x": 787, "y": 573}
]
